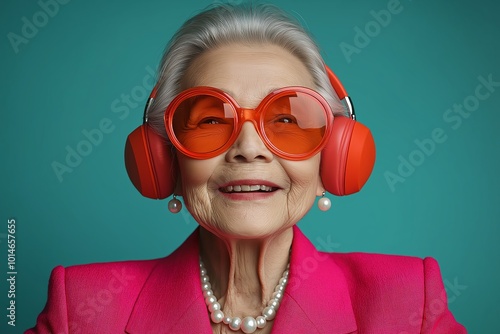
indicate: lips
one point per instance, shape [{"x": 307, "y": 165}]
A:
[{"x": 247, "y": 188}]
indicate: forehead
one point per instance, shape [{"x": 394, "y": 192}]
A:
[{"x": 248, "y": 72}]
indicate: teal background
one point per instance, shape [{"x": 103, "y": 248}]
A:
[{"x": 65, "y": 79}]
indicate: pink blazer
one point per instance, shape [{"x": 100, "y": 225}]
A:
[{"x": 327, "y": 293}]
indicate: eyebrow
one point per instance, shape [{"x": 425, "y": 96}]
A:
[{"x": 266, "y": 93}]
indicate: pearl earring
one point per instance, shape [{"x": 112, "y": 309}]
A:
[
  {"x": 174, "y": 205},
  {"x": 324, "y": 203}
]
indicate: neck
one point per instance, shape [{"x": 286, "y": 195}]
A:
[{"x": 244, "y": 272}]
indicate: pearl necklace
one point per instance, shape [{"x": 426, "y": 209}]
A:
[{"x": 248, "y": 324}]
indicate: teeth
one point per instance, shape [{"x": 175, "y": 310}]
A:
[{"x": 246, "y": 188}]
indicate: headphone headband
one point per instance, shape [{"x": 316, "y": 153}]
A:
[{"x": 341, "y": 92}]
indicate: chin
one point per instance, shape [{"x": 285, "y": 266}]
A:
[{"x": 244, "y": 229}]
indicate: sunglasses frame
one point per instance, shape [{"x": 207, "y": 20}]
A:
[{"x": 243, "y": 115}]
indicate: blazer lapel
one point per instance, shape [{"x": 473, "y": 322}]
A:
[
  {"x": 171, "y": 300},
  {"x": 317, "y": 297}
]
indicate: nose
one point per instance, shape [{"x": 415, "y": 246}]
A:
[{"x": 248, "y": 146}]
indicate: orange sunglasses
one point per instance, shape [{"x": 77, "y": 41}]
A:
[{"x": 293, "y": 122}]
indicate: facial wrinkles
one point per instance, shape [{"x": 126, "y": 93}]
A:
[
  {"x": 293, "y": 190},
  {"x": 197, "y": 196},
  {"x": 296, "y": 192},
  {"x": 198, "y": 206},
  {"x": 202, "y": 198}
]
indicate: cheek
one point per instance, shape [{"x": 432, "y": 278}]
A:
[
  {"x": 195, "y": 173},
  {"x": 303, "y": 174},
  {"x": 304, "y": 184},
  {"x": 195, "y": 177}
]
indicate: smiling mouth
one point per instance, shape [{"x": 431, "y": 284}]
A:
[{"x": 247, "y": 189}]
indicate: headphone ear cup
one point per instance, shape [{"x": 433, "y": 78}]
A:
[
  {"x": 150, "y": 163},
  {"x": 348, "y": 158}
]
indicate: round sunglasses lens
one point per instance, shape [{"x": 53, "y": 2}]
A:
[
  {"x": 203, "y": 123},
  {"x": 295, "y": 123}
]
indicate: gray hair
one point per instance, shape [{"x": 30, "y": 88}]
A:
[{"x": 223, "y": 24}]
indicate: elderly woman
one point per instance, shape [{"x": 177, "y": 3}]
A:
[{"x": 246, "y": 124}]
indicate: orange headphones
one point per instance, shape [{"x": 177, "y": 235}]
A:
[{"x": 347, "y": 159}]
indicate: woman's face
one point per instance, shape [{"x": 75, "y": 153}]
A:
[{"x": 221, "y": 192}]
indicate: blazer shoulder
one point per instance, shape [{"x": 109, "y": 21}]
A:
[
  {"x": 418, "y": 273},
  {"x": 119, "y": 281},
  {"x": 370, "y": 266},
  {"x": 386, "y": 278},
  {"x": 403, "y": 291},
  {"x": 101, "y": 271}
]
